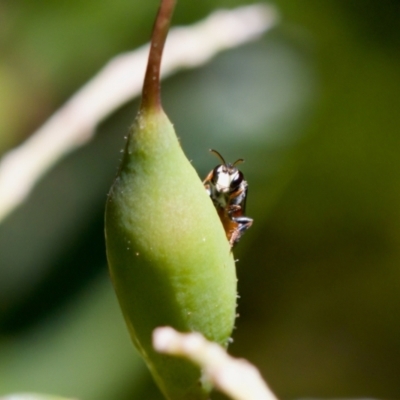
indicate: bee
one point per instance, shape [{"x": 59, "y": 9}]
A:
[{"x": 227, "y": 189}]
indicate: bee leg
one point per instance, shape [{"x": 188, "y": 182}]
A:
[
  {"x": 243, "y": 223},
  {"x": 208, "y": 188},
  {"x": 233, "y": 208}
]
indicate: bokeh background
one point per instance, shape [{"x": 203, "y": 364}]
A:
[{"x": 313, "y": 107}]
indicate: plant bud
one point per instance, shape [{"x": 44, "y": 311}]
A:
[{"x": 169, "y": 259}]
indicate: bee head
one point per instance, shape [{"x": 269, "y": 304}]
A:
[{"x": 226, "y": 177}]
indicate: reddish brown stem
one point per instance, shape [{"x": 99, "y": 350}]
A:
[{"x": 151, "y": 87}]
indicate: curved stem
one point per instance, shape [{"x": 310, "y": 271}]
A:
[{"x": 151, "y": 87}]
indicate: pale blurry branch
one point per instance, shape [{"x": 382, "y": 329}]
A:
[
  {"x": 118, "y": 82},
  {"x": 32, "y": 396},
  {"x": 236, "y": 378}
]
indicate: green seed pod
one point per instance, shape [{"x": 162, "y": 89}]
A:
[{"x": 170, "y": 261}]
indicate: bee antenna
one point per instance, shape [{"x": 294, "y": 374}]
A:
[
  {"x": 218, "y": 155},
  {"x": 239, "y": 161}
]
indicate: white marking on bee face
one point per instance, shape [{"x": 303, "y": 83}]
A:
[{"x": 223, "y": 180}]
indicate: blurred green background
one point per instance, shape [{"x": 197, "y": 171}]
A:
[{"x": 313, "y": 107}]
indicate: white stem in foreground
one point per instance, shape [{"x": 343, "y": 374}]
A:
[
  {"x": 32, "y": 396},
  {"x": 118, "y": 82},
  {"x": 237, "y": 378}
]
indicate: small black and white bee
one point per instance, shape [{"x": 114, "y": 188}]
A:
[{"x": 227, "y": 189}]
